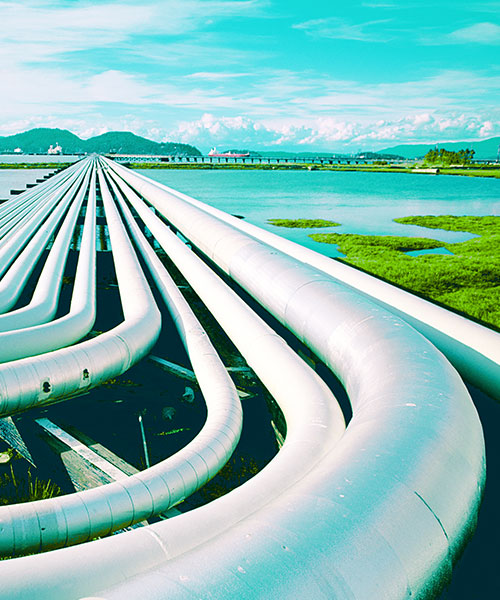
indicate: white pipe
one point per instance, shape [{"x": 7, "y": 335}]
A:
[
  {"x": 43, "y": 304},
  {"x": 384, "y": 513},
  {"x": 61, "y": 521},
  {"x": 472, "y": 348},
  {"x": 381, "y": 361},
  {"x": 314, "y": 425},
  {"x": 56, "y": 375},
  {"x": 21, "y": 267},
  {"x": 31, "y": 202},
  {"x": 27, "y": 197},
  {"x": 44, "y": 337}
]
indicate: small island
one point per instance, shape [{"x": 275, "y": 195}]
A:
[{"x": 303, "y": 223}]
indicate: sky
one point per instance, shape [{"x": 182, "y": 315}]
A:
[{"x": 328, "y": 75}]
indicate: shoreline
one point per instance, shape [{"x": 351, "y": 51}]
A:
[{"x": 490, "y": 171}]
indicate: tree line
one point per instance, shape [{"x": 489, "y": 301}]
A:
[{"x": 441, "y": 156}]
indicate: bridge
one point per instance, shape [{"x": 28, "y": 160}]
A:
[
  {"x": 246, "y": 160},
  {"x": 381, "y": 508}
]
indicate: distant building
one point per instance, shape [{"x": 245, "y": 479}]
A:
[
  {"x": 54, "y": 149},
  {"x": 18, "y": 151}
]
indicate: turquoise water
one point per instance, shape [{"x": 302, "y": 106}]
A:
[
  {"x": 429, "y": 251},
  {"x": 36, "y": 158},
  {"x": 363, "y": 203}
]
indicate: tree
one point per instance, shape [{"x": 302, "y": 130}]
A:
[{"x": 444, "y": 157}]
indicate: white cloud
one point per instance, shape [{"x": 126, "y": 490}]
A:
[
  {"x": 328, "y": 133},
  {"x": 219, "y": 76},
  {"x": 36, "y": 31},
  {"x": 486, "y": 130},
  {"x": 480, "y": 33},
  {"x": 336, "y": 28},
  {"x": 324, "y": 133},
  {"x": 116, "y": 86},
  {"x": 41, "y": 30}
]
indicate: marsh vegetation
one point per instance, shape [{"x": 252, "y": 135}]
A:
[
  {"x": 467, "y": 281},
  {"x": 302, "y": 223}
]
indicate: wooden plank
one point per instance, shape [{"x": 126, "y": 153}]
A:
[
  {"x": 174, "y": 369},
  {"x": 83, "y": 451},
  {"x": 184, "y": 373}
]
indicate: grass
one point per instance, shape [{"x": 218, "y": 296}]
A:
[
  {"x": 234, "y": 473},
  {"x": 35, "y": 165},
  {"x": 302, "y": 223},
  {"x": 15, "y": 489},
  {"x": 485, "y": 171},
  {"x": 468, "y": 171},
  {"x": 377, "y": 167},
  {"x": 467, "y": 282}
]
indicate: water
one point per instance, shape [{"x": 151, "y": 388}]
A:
[
  {"x": 36, "y": 158},
  {"x": 364, "y": 203},
  {"x": 429, "y": 251},
  {"x": 17, "y": 179}
]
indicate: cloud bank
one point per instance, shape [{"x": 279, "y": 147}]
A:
[{"x": 327, "y": 133}]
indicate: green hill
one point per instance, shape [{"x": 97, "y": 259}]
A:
[
  {"x": 485, "y": 149},
  {"x": 37, "y": 141}
]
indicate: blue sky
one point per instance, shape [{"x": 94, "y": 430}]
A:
[{"x": 284, "y": 75}]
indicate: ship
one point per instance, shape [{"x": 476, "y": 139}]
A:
[
  {"x": 54, "y": 149},
  {"x": 228, "y": 154}
]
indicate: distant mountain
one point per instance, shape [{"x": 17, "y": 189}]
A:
[
  {"x": 485, "y": 149},
  {"x": 37, "y": 141}
]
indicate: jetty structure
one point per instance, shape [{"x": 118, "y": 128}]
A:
[{"x": 381, "y": 508}]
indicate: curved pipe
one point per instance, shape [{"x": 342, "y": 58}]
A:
[
  {"x": 314, "y": 425},
  {"x": 380, "y": 359},
  {"x": 385, "y": 512},
  {"x": 33, "y": 202},
  {"x": 41, "y": 207},
  {"x": 40, "y": 338},
  {"x": 43, "y": 305},
  {"x": 53, "y": 376},
  {"x": 78, "y": 517},
  {"x": 472, "y": 348},
  {"x": 21, "y": 267},
  {"x": 10, "y": 210}
]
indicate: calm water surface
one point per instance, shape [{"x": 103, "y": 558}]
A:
[
  {"x": 17, "y": 179},
  {"x": 36, "y": 158},
  {"x": 364, "y": 203}
]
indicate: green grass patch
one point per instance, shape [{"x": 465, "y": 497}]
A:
[
  {"x": 36, "y": 165},
  {"x": 302, "y": 223},
  {"x": 467, "y": 282},
  {"x": 15, "y": 489},
  {"x": 471, "y": 172}
]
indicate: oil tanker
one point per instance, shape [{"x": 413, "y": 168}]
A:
[{"x": 228, "y": 154}]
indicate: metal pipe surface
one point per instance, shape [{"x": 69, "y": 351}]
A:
[
  {"x": 155, "y": 490},
  {"x": 43, "y": 304}
]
